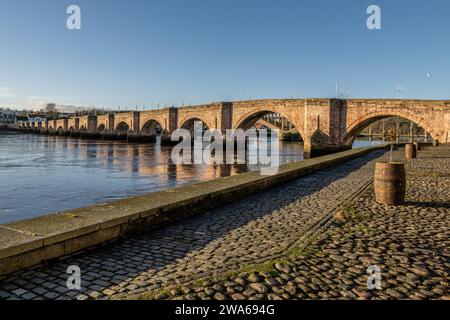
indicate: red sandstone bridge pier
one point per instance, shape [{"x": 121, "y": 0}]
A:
[{"x": 325, "y": 125}]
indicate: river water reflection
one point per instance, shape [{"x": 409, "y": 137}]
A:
[{"x": 41, "y": 174}]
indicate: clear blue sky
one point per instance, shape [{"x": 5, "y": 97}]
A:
[{"x": 195, "y": 51}]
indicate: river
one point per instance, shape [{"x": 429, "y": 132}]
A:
[{"x": 41, "y": 174}]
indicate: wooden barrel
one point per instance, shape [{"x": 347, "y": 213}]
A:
[
  {"x": 410, "y": 151},
  {"x": 390, "y": 183}
]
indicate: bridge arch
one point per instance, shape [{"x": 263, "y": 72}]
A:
[
  {"x": 122, "y": 128},
  {"x": 363, "y": 122},
  {"x": 188, "y": 123},
  {"x": 101, "y": 127},
  {"x": 252, "y": 118},
  {"x": 152, "y": 127}
]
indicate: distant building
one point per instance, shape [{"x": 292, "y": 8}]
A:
[
  {"x": 35, "y": 118},
  {"x": 21, "y": 120},
  {"x": 25, "y": 119},
  {"x": 7, "y": 117}
]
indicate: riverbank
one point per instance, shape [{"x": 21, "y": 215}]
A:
[{"x": 9, "y": 128}]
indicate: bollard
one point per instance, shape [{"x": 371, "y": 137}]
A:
[
  {"x": 435, "y": 143},
  {"x": 410, "y": 151}
]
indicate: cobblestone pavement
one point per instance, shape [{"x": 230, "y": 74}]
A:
[
  {"x": 230, "y": 238},
  {"x": 409, "y": 244}
]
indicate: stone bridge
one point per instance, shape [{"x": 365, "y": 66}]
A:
[{"x": 325, "y": 125}]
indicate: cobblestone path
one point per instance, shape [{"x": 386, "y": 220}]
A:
[
  {"x": 409, "y": 244},
  {"x": 259, "y": 228}
]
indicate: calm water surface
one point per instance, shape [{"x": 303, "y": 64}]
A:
[{"x": 44, "y": 174}]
